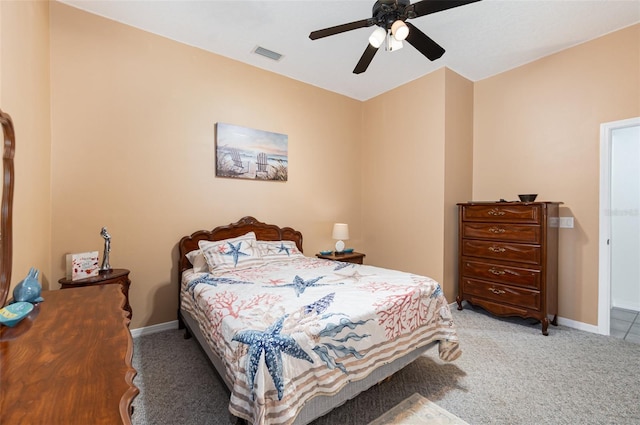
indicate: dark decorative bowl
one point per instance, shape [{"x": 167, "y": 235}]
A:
[{"x": 528, "y": 198}]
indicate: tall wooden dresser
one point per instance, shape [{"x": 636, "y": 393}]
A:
[{"x": 508, "y": 258}]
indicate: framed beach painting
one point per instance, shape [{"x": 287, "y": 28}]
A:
[{"x": 245, "y": 153}]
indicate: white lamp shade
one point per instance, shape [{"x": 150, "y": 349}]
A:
[
  {"x": 377, "y": 37},
  {"x": 340, "y": 231},
  {"x": 400, "y": 30}
]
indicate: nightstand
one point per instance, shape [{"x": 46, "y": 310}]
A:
[
  {"x": 120, "y": 276},
  {"x": 351, "y": 257}
]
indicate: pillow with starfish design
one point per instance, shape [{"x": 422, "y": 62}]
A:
[
  {"x": 279, "y": 250},
  {"x": 231, "y": 254}
]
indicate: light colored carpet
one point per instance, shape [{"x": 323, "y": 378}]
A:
[
  {"x": 509, "y": 373},
  {"x": 417, "y": 410}
]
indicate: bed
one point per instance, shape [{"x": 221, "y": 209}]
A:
[{"x": 293, "y": 336}]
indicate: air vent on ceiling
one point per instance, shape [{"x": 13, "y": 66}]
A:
[{"x": 267, "y": 53}]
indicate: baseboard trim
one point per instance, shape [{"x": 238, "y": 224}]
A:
[
  {"x": 564, "y": 322},
  {"x": 147, "y": 330},
  {"x": 578, "y": 325}
]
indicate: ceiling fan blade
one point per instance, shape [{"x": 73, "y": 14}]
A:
[
  {"x": 423, "y": 43},
  {"x": 426, "y": 7},
  {"x": 365, "y": 59},
  {"x": 341, "y": 28}
]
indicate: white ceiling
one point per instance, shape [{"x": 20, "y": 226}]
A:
[{"x": 481, "y": 39}]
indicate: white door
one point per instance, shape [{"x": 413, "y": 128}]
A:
[
  {"x": 619, "y": 277},
  {"x": 625, "y": 218}
]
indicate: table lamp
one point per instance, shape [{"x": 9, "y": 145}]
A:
[{"x": 340, "y": 232}]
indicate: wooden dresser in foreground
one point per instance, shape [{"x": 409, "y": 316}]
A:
[
  {"x": 508, "y": 258},
  {"x": 69, "y": 361}
]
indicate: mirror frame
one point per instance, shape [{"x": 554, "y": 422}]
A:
[{"x": 6, "y": 237}]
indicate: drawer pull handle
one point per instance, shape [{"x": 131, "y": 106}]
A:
[
  {"x": 497, "y": 230},
  {"x": 495, "y": 211},
  {"x": 496, "y": 249},
  {"x": 496, "y": 272},
  {"x": 497, "y": 291}
]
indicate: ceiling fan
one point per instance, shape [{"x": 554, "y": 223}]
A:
[{"x": 390, "y": 16}]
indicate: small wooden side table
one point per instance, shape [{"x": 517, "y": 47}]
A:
[
  {"x": 351, "y": 257},
  {"x": 120, "y": 276}
]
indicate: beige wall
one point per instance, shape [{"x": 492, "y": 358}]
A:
[
  {"x": 537, "y": 130},
  {"x": 24, "y": 94},
  {"x": 416, "y": 166},
  {"x": 133, "y": 149},
  {"x": 402, "y": 156},
  {"x": 458, "y": 170}
]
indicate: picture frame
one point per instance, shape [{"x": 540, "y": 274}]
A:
[{"x": 246, "y": 153}]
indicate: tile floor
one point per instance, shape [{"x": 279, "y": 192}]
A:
[{"x": 625, "y": 324}]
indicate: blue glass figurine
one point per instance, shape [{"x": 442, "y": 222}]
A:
[{"x": 28, "y": 289}]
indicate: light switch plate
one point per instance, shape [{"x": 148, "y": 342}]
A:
[{"x": 566, "y": 222}]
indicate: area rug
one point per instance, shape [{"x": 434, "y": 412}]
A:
[{"x": 417, "y": 410}]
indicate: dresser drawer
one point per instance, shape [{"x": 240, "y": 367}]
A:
[
  {"x": 527, "y": 233},
  {"x": 525, "y": 253},
  {"x": 517, "y": 276},
  {"x": 516, "y": 213},
  {"x": 520, "y": 297}
]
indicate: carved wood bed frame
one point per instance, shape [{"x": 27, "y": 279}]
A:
[
  {"x": 263, "y": 231},
  {"x": 319, "y": 405}
]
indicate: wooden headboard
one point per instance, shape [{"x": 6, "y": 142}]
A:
[{"x": 263, "y": 231}]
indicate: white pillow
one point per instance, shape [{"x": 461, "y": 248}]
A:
[
  {"x": 198, "y": 261},
  {"x": 231, "y": 254},
  {"x": 279, "y": 250}
]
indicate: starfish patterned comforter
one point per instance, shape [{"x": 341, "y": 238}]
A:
[{"x": 288, "y": 330}]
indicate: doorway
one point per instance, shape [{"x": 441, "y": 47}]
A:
[{"x": 619, "y": 272}]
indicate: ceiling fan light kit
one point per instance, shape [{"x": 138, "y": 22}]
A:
[
  {"x": 377, "y": 37},
  {"x": 391, "y": 18},
  {"x": 400, "y": 30},
  {"x": 393, "y": 44}
]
